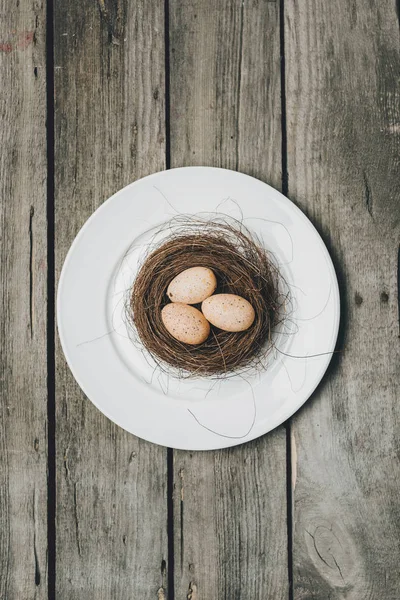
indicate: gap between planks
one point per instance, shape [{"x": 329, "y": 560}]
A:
[{"x": 51, "y": 400}]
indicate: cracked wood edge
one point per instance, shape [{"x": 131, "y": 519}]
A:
[
  {"x": 23, "y": 290},
  {"x": 230, "y": 505},
  {"x": 109, "y": 131},
  {"x": 343, "y": 145}
]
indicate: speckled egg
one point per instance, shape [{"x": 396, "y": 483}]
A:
[
  {"x": 228, "y": 312},
  {"x": 185, "y": 323},
  {"x": 192, "y": 285}
]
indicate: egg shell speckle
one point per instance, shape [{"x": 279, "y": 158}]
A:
[
  {"x": 228, "y": 312},
  {"x": 192, "y": 286},
  {"x": 185, "y": 323}
]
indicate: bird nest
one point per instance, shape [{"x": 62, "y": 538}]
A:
[{"x": 242, "y": 267}]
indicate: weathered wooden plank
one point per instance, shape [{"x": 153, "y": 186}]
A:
[
  {"x": 109, "y": 130},
  {"x": 23, "y": 290},
  {"x": 343, "y": 115},
  {"x": 230, "y": 506}
]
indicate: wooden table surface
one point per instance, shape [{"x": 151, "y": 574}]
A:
[{"x": 304, "y": 95}]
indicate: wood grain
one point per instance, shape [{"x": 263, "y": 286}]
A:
[
  {"x": 230, "y": 505},
  {"x": 23, "y": 285},
  {"x": 343, "y": 116},
  {"x": 109, "y": 130}
]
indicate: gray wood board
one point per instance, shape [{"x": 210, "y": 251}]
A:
[
  {"x": 229, "y": 505},
  {"x": 23, "y": 290},
  {"x": 343, "y": 137},
  {"x": 109, "y": 131}
]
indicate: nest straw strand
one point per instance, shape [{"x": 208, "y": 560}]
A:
[{"x": 242, "y": 266}]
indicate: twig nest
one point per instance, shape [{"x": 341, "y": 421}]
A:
[
  {"x": 192, "y": 286},
  {"x": 241, "y": 266},
  {"x": 228, "y": 312},
  {"x": 185, "y": 323}
]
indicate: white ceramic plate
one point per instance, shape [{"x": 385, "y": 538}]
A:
[{"x": 193, "y": 414}]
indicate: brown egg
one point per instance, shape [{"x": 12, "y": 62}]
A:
[
  {"x": 228, "y": 312},
  {"x": 192, "y": 285},
  {"x": 185, "y": 323}
]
